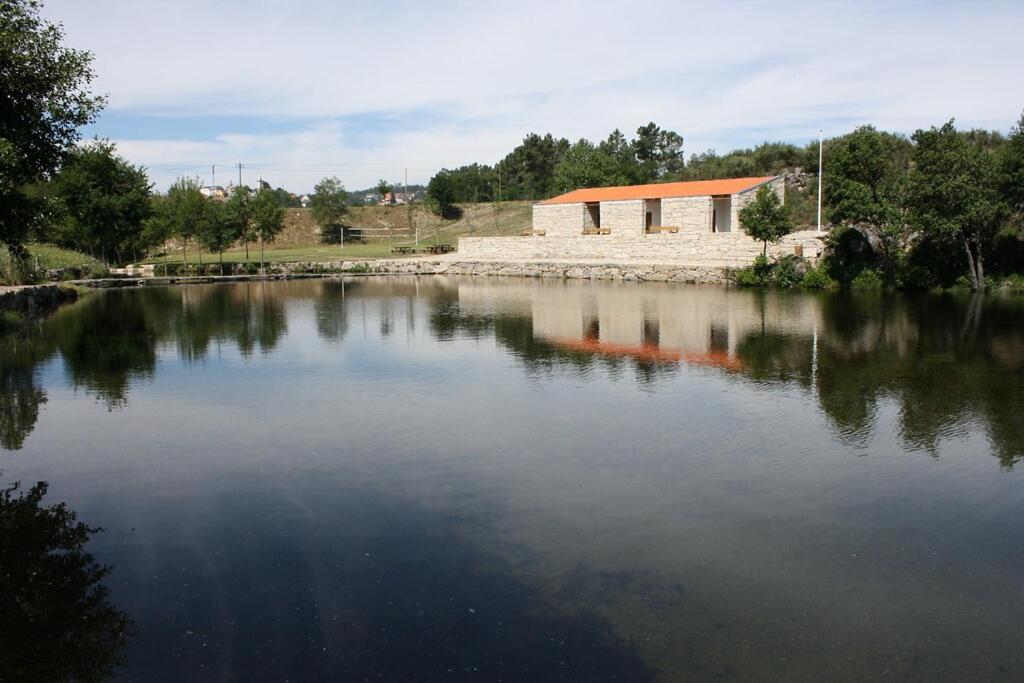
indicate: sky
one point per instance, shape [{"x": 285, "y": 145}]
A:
[{"x": 297, "y": 90}]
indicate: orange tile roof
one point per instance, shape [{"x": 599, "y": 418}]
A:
[
  {"x": 650, "y": 352},
  {"x": 693, "y": 188}
]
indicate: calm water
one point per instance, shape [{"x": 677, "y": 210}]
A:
[{"x": 471, "y": 479}]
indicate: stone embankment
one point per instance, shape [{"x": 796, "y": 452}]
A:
[
  {"x": 35, "y": 299},
  {"x": 453, "y": 265}
]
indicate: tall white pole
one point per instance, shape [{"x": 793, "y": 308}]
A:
[{"x": 821, "y": 172}]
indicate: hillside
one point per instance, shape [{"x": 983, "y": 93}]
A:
[{"x": 392, "y": 223}]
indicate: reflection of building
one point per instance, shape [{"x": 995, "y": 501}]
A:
[{"x": 649, "y": 323}]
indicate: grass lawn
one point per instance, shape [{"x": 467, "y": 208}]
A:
[{"x": 319, "y": 252}]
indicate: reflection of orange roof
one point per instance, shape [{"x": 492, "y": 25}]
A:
[
  {"x": 650, "y": 352},
  {"x": 693, "y": 188}
]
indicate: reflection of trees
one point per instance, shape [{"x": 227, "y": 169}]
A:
[
  {"x": 107, "y": 341},
  {"x": 331, "y": 312},
  {"x": 945, "y": 362},
  {"x": 251, "y": 316},
  {"x": 56, "y": 621},
  {"x": 20, "y": 394}
]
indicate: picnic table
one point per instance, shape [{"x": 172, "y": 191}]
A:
[
  {"x": 440, "y": 249},
  {"x": 403, "y": 250}
]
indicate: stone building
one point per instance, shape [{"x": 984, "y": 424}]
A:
[
  {"x": 698, "y": 206},
  {"x": 696, "y": 222}
]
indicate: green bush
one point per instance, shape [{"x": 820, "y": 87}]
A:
[
  {"x": 867, "y": 279},
  {"x": 788, "y": 272},
  {"x": 816, "y": 278}
]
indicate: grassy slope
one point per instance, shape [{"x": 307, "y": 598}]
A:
[{"x": 300, "y": 242}]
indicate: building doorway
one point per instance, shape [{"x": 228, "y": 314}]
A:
[{"x": 721, "y": 214}]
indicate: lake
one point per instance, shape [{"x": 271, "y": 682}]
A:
[{"x": 432, "y": 478}]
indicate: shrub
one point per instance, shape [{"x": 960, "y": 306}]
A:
[
  {"x": 816, "y": 278},
  {"x": 867, "y": 279},
  {"x": 788, "y": 272}
]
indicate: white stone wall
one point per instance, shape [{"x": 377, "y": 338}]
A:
[
  {"x": 558, "y": 219},
  {"x": 624, "y": 217},
  {"x": 731, "y": 249},
  {"x": 689, "y": 214},
  {"x": 741, "y": 199}
]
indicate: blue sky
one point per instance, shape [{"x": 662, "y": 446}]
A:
[{"x": 301, "y": 89}]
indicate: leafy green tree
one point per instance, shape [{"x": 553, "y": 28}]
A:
[
  {"x": 267, "y": 218},
  {"x": 658, "y": 152},
  {"x": 218, "y": 231},
  {"x": 865, "y": 188},
  {"x": 105, "y": 200},
  {"x": 765, "y": 218},
  {"x": 383, "y": 189},
  {"x": 328, "y": 205},
  {"x": 441, "y": 191},
  {"x": 158, "y": 227},
  {"x": 238, "y": 213},
  {"x": 44, "y": 90},
  {"x": 1012, "y": 167},
  {"x": 185, "y": 207},
  {"x": 954, "y": 194},
  {"x": 585, "y": 165}
]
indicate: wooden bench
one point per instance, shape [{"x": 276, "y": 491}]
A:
[
  {"x": 533, "y": 233},
  {"x": 403, "y": 250},
  {"x": 597, "y": 231},
  {"x": 441, "y": 249},
  {"x": 661, "y": 228}
]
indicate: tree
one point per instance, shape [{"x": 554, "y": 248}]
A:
[
  {"x": 383, "y": 189},
  {"x": 44, "y": 90},
  {"x": 328, "y": 208},
  {"x": 1012, "y": 167},
  {"x": 585, "y": 165},
  {"x": 185, "y": 206},
  {"x": 218, "y": 230},
  {"x": 105, "y": 201},
  {"x": 441, "y": 192},
  {"x": 159, "y": 225},
  {"x": 658, "y": 152},
  {"x": 954, "y": 194},
  {"x": 865, "y": 187},
  {"x": 267, "y": 218},
  {"x": 238, "y": 213},
  {"x": 765, "y": 218}
]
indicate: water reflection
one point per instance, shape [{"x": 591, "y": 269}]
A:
[
  {"x": 945, "y": 361},
  {"x": 410, "y": 478},
  {"x": 942, "y": 360},
  {"x": 56, "y": 620}
]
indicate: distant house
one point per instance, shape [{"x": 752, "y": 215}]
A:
[
  {"x": 213, "y": 192},
  {"x": 304, "y": 200}
]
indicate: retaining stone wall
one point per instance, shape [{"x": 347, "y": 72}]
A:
[{"x": 732, "y": 249}]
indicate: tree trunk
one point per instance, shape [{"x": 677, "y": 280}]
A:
[
  {"x": 980, "y": 270},
  {"x": 764, "y": 249},
  {"x": 247, "y": 251},
  {"x": 184, "y": 253},
  {"x": 970, "y": 265}
]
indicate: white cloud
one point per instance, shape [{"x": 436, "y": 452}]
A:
[{"x": 489, "y": 73}]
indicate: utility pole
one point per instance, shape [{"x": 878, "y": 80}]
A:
[
  {"x": 239, "y": 173},
  {"x": 213, "y": 175},
  {"x": 821, "y": 172}
]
